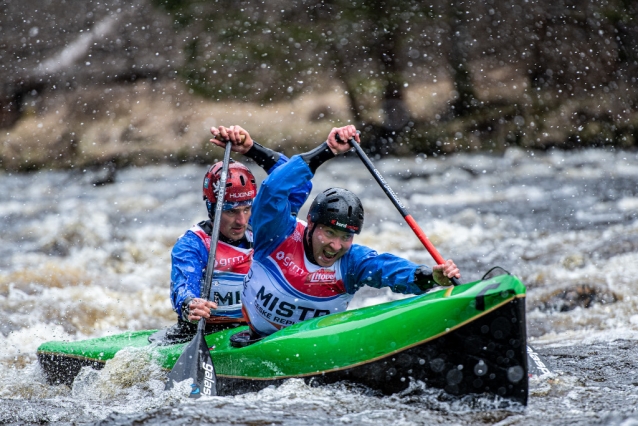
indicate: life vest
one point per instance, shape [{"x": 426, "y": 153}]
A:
[
  {"x": 231, "y": 265},
  {"x": 286, "y": 287}
]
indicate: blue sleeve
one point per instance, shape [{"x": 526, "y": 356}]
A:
[
  {"x": 274, "y": 216},
  {"x": 364, "y": 266},
  {"x": 298, "y": 195},
  {"x": 189, "y": 258}
]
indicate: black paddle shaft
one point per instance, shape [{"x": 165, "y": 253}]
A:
[
  {"x": 399, "y": 206},
  {"x": 378, "y": 177},
  {"x": 195, "y": 361},
  {"x": 214, "y": 237}
]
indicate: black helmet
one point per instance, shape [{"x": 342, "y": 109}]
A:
[{"x": 339, "y": 208}]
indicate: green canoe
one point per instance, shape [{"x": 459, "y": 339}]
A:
[{"x": 465, "y": 339}]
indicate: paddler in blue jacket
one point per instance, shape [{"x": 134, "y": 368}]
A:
[
  {"x": 235, "y": 247},
  {"x": 302, "y": 271}
]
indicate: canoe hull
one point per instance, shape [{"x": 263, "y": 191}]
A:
[
  {"x": 466, "y": 339},
  {"x": 465, "y": 361}
]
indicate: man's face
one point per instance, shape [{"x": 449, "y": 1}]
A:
[
  {"x": 329, "y": 244},
  {"x": 234, "y": 222}
]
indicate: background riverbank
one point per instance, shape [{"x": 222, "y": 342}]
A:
[{"x": 111, "y": 84}]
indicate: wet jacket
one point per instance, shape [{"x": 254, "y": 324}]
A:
[
  {"x": 283, "y": 287},
  {"x": 189, "y": 259}
]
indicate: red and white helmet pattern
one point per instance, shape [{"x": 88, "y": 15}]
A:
[{"x": 240, "y": 184}]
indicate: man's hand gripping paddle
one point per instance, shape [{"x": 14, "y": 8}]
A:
[
  {"x": 400, "y": 207},
  {"x": 195, "y": 362}
]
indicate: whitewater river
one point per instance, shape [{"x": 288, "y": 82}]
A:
[{"x": 80, "y": 261}]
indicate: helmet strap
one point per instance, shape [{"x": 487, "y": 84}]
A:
[
  {"x": 307, "y": 243},
  {"x": 210, "y": 208}
]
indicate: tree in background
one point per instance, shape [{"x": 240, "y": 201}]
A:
[
  {"x": 375, "y": 49},
  {"x": 460, "y": 43},
  {"x": 438, "y": 77},
  {"x": 263, "y": 51},
  {"x": 623, "y": 17}
]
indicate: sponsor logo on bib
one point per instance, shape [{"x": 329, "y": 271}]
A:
[{"x": 321, "y": 276}]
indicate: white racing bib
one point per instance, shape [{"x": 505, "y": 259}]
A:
[
  {"x": 231, "y": 265},
  {"x": 287, "y": 288}
]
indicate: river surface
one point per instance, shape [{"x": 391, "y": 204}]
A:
[{"x": 80, "y": 261}]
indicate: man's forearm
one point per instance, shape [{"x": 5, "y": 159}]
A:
[
  {"x": 185, "y": 310},
  {"x": 266, "y": 158},
  {"x": 424, "y": 279},
  {"x": 316, "y": 157}
]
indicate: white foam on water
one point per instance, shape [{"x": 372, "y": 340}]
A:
[
  {"x": 85, "y": 261},
  {"x": 26, "y": 340},
  {"x": 585, "y": 337},
  {"x": 350, "y": 404},
  {"x": 479, "y": 194},
  {"x": 628, "y": 204}
]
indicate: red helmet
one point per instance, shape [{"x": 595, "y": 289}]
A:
[{"x": 240, "y": 185}]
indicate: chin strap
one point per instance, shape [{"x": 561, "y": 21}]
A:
[{"x": 307, "y": 244}]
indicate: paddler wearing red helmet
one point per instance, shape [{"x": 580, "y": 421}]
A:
[{"x": 189, "y": 256}]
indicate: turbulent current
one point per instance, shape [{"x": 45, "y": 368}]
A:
[{"x": 79, "y": 260}]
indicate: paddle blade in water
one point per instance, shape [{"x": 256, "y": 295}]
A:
[
  {"x": 195, "y": 363},
  {"x": 537, "y": 365}
]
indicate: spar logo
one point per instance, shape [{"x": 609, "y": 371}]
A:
[
  {"x": 209, "y": 382},
  {"x": 296, "y": 236},
  {"x": 322, "y": 276}
]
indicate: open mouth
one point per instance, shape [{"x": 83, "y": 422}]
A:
[{"x": 329, "y": 255}]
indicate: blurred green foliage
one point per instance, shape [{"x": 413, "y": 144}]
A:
[{"x": 258, "y": 51}]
